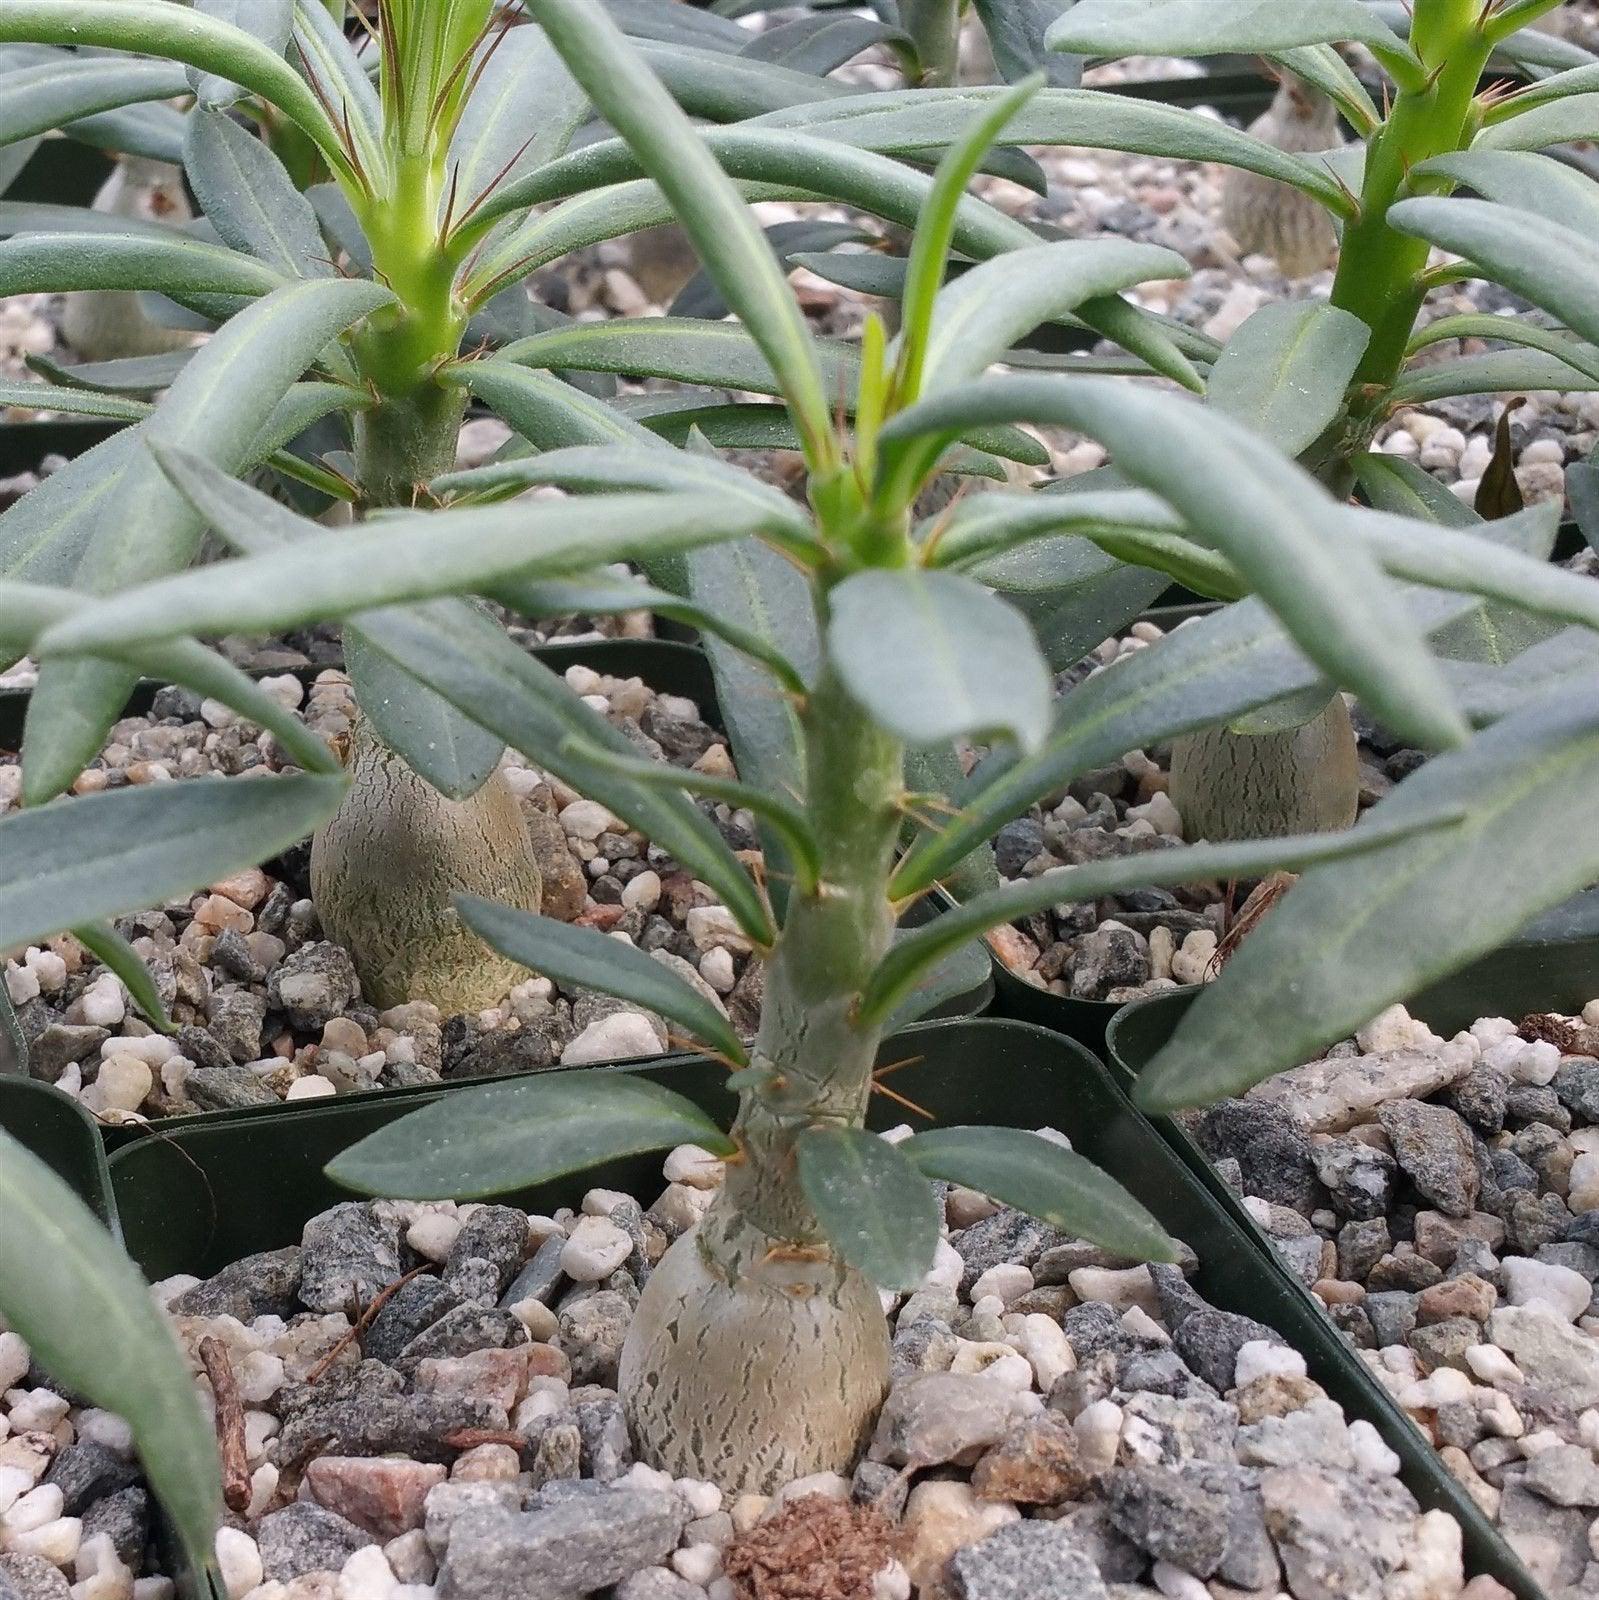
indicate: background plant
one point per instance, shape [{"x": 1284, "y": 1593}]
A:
[
  {"x": 908, "y": 651},
  {"x": 361, "y": 244}
]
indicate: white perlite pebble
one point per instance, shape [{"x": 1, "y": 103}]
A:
[
  {"x": 432, "y": 1234},
  {"x": 1583, "y": 1194},
  {"x": 36, "y": 1410},
  {"x": 1372, "y": 1456},
  {"x": 1049, "y": 1352},
  {"x": 1009, "y": 1281},
  {"x": 1493, "y": 1366},
  {"x": 56, "y": 1542},
  {"x": 716, "y": 968},
  {"x": 693, "y": 1165},
  {"x": 1532, "y": 1064},
  {"x": 22, "y": 985},
  {"x": 313, "y": 1086},
  {"x": 36, "y": 1508},
  {"x": 595, "y": 1248},
  {"x": 642, "y": 893},
  {"x": 618, "y": 1037},
  {"x": 14, "y": 1360},
  {"x": 104, "y": 1003},
  {"x": 697, "y": 1563},
  {"x": 239, "y": 1559},
  {"x": 1260, "y": 1358},
  {"x": 892, "y": 1583},
  {"x": 123, "y": 1084},
  {"x": 1176, "y": 1584},
  {"x": 703, "y": 1499},
  {"x": 997, "y": 1362},
  {"x": 1098, "y": 1429},
  {"x": 366, "y": 1575},
  {"x": 14, "y": 1483},
  {"x": 588, "y": 819},
  {"x": 1590, "y": 1013},
  {"x": 1393, "y": 1028},
  {"x": 947, "y": 1268},
  {"x": 539, "y": 1320},
  {"x": 1545, "y": 1283}
]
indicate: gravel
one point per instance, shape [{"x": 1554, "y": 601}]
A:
[
  {"x": 268, "y": 1010},
  {"x": 1114, "y": 1435},
  {"x": 1460, "y": 1258}
]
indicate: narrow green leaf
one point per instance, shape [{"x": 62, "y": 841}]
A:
[
  {"x": 985, "y": 311},
  {"x": 270, "y": 21},
  {"x": 74, "y": 402},
  {"x": 91, "y": 1322},
  {"x": 710, "y": 83},
  {"x": 767, "y": 597},
  {"x": 935, "y": 230},
  {"x": 1497, "y": 372},
  {"x": 221, "y": 404},
  {"x": 512, "y": 1135},
  {"x": 180, "y": 34},
  {"x": 153, "y": 130},
  {"x": 700, "y": 297},
  {"x": 108, "y": 947},
  {"x": 1512, "y": 330},
  {"x": 724, "y": 231},
  {"x": 683, "y": 349},
  {"x": 40, "y": 216},
  {"x": 140, "y": 375},
  {"x": 876, "y": 1208},
  {"x": 933, "y": 656},
  {"x": 1016, "y": 30},
  {"x": 549, "y": 414},
  {"x": 987, "y": 526},
  {"x": 594, "y": 960},
  {"x": 1286, "y": 370},
  {"x": 1393, "y": 484},
  {"x": 53, "y": 263},
  {"x": 902, "y": 122},
  {"x": 451, "y": 751},
  {"x": 607, "y": 469},
  {"x": 1561, "y": 663},
  {"x": 1552, "y": 265},
  {"x": 1538, "y": 126},
  {"x": 1196, "y": 863},
  {"x": 522, "y": 114},
  {"x": 400, "y": 557},
  {"x": 1040, "y": 1177},
  {"x": 820, "y": 43},
  {"x": 1540, "y": 184},
  {"x": 106, "y": 854},
  {"x": 1314, "y": 971},
  {"x": 1217, "y": 27},
  {"x": 26, "y": 610},
  {"x": 1323, "y": 68},
  {"x": 41, "y": 98},
  {"x": 1269, "y": 517},
  {"x": 249, "y": 198},
  {"x": 962, "y": 972}
]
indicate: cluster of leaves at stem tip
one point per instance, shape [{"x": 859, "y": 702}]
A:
[{"x": 362, "y": 258}]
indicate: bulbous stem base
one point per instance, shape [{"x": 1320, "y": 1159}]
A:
[
  {"x": 1264, "y": 785},
  {"x": 752, "y": 1377},
  {"x": 386, "y": 868}
]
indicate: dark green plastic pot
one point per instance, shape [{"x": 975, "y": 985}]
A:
[
  {"x": 64, "y": 1136},
  {"x": 200, "y": 1197},
  {"x": 1136, "y": 1033}
]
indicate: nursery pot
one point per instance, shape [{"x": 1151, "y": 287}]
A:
[
  {"x": 64, "y": 1136},
  {"x": 201, "y": 1196},
  {"x": 1136, "y": 1034}
]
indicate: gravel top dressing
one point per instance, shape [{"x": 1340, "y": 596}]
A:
[
  {"x": 269, "y": 1010},
  {"x": 419, "y": 1400},
  {"x": 1441, "y": 1197}
]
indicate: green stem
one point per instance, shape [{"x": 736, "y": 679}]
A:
[
  {"x": 1380, "y": 270},
  {"x": 934, "y": 27},
  {"x": 818, "y": 1057},
  {"x": 407, "y": 440}
]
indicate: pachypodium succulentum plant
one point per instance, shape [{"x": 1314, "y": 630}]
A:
[
  {"x": 759, "y": 1351},
  {"x": 362, "y": 243}
]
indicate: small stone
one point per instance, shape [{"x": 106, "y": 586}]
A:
[
  {"x": 348, "y": 1254},
  {"x": 239, "y": 1560},
  {"x": 622, "y": 1036},
  {"x": 1038, "y": 1462},
  {"x": 942, "y": 1417},
  {"x": 304, "y": 1538},
  {"x": 313, "y": 985},
  {"x": 383, "y": 1494},
  {"x": 1434, "y": 1148},
  {"x": 1546, "y": 1284},
  {"x": 1026, "y": 1561},
  {"x": 943, "y": 1516},
  {"x": 1169, "y": 1515},
  {"x": 594, "y": 1250},
  {"x": 1565, "y": 1476}
]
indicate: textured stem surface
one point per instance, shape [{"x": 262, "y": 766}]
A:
[
  {"x": 757, "y": 1355},
  {"x": 1263, "y": 785},
  {"x": 386, "y": 868}
]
